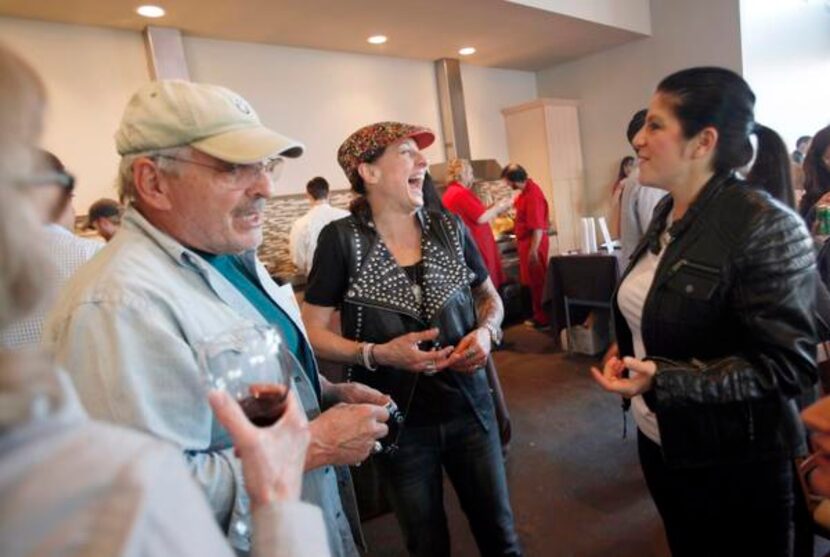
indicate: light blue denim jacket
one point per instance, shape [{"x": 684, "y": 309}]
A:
[{"x": 125, "y": 326}]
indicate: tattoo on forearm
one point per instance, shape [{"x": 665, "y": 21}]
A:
[{"x": 489, "y": 309}]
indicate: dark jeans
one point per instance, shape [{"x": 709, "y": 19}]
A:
[
  {"x": 722, "y": 510},
  {"x": 472, "y": 457}
]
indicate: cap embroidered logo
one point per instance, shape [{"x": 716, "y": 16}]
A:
[{"x": 243, "y": 106}]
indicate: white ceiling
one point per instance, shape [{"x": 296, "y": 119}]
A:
[{"x": 505, "y": 34}]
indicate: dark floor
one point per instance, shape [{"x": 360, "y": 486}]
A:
[{"x": 575, "y": 483}]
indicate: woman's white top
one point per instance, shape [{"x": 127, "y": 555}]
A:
[{"x": 631, "y": 298}]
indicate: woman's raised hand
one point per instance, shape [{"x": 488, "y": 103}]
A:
[{"x": 611, "y": 377}]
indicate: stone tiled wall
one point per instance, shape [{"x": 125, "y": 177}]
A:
[
  {"x": 490, "y": 192},
  {"x": 281, "y": 212}
]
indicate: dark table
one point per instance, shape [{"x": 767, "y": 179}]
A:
[{"x": 585, "y": 281}]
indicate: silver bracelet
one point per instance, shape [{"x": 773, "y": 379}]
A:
[{"x": 366, "y": 349}]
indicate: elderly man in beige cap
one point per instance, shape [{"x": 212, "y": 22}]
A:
[{"x": 197, "y": 168}]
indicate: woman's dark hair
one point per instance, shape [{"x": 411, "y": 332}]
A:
[
  {"x": 716, "y": 97},
  {"x": 771, "y": 169},
  {"x": 816, "y": 173},
  {"x": 636, "y": 124},
  {"x": 625, "y": 160},
  {"x": 432, "y": 201},
  {"x": 359, "y": 206}
]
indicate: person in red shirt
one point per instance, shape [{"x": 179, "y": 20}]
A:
[
  {"x": 460, "y": 200},
  {"x": 531, "y": 230}
]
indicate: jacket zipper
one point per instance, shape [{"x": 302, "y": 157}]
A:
[{"x": 692, "y": 265}]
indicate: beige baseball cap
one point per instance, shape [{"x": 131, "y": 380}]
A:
[{"x": 212, "y": 119}]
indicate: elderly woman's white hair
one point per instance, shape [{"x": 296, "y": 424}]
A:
[
  {"x": 24, "y": 270},
  {"x": 456, "y": 170}
]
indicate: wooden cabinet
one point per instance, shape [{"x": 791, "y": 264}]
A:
[{"x": 543, "y": 137}]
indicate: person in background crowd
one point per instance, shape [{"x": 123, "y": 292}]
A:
[
  {"x": 632, "y": 208},
  {"x": 801, "y": 147},
  {"x": 50, "y": 195},
  {"x": 715, "y": 327},
  {"x": 816, "y": 168},
  {"x": 770, "y": 171},
  {"x": 70, "y": 485},
  {"x": 416, "y": 300},
  {"x": 626, "y": 167},
  {"x": 104, "y": 216},
  {"x": 459, "y": 199},
  {"x": 197, "y": 168},
  {"x": 531, "y": 229},
  {"x": 302, "y": 240}
]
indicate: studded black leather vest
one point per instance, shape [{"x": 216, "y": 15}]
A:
[{"x": 380, "y": 304}]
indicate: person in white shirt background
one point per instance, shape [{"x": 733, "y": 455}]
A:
[
  {"x": 302, "y": 240},
  {"x": 633, "y": 203}
]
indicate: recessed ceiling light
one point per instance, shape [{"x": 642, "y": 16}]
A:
[
  {"x": 377, "y": 39},
  {"x": 150, "y": 11},
  {"x": 466, "y": 51}
]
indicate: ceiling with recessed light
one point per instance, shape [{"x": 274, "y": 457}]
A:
[{"x": 504, "y": 34}]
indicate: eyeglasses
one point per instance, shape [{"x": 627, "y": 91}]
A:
[
  {"x": 242, "y": 174},
  {"x": 50, "y": 178}
]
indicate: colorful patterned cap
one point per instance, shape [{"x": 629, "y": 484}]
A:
[{"x": 374, "y": 137}]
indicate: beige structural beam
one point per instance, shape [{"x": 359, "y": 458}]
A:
[
  {"x": 451, "y": 104},
  {"x": 165, "y": 53}
]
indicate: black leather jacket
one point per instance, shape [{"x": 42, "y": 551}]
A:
[
  {"x": 729, "y": 321},
  {"x": 379, "y": 304}
]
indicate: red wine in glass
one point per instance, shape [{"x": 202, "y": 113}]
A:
[{"x": 265, "y": 404}]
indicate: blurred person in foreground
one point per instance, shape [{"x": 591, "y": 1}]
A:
[
  {"x": 50, "y": 195},
  {"x": 817, "y": 419},
  {"x": 71, "y": 485},
  {"x": 197, "y": 166}
]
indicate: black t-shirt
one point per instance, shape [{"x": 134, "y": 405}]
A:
[{"x": 437, "y": 398}]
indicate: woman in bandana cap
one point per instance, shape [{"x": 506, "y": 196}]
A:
[{"x": 419, "y": 318}]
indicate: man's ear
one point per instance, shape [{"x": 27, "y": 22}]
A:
[
  {"x": 152, "y": 188},
  {"x": 368, "y": 172}
]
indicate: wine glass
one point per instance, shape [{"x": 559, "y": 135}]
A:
[{"x": 254, "y": 366}]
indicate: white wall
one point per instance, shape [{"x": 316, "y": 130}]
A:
[
  {"x": 613, "y": 84},
  {"x": 633, "y": 15},
  {"x": 315, "y": 96},
  {"x": 786, "y": 59},
  {"x": 486, "y": 92},
  {"x": 320, "y": 97},
  {"x": 89, "y": 73}
]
